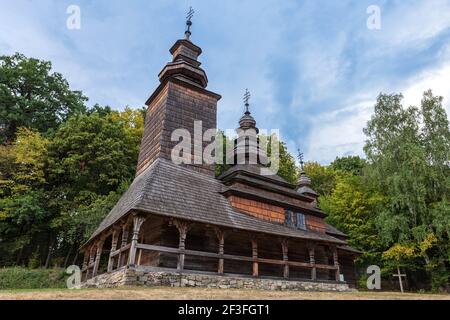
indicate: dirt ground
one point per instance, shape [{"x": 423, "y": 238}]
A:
[{"x": 164, "y": 293}]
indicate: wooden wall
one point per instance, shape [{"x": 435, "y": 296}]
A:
[
  {"x": 258, "y": 209},
  {"x": 158, "y": 231},
  {"x": 315, "y": 223}
]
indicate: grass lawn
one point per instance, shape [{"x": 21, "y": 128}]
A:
[{"x": 166, "y": 293}]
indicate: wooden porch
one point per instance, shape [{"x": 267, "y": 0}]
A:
[{"x": 149, "y": 240}]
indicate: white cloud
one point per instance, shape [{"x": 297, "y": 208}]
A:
[
  {"x": 339, "y": 133},
  {"x": 436, "y": 79},
  {"x": 413, "y": 24}
]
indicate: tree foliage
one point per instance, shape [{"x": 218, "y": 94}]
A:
[
  {"x": 322, "y": 177},
  {"x": 33, "y": 97},
  {"x": 62, "y": 166},
  {"x": 352, "y": 207},
  {"x": 350, "y": 164},
  {"x": 408, "y": 152}
]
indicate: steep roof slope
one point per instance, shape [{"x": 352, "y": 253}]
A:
[{"x": 171, "y": 190}]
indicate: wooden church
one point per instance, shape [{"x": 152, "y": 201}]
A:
[{"x": 182, "y": 220}]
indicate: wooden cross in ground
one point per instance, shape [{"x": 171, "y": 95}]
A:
[{"x": 400, "y": 275}]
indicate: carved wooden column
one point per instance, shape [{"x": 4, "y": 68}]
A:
[
  {"x": 182, "y": 227},
  {"x": 91, "y": 260},
  {"x": 255, "y": 256},
  {"x": 284, "y": 247},
  {"x": 123, "y": 243},
  {"x": 115, "y": 238},
  {"x": 312, "y": 261},
  {"x": 137, "y": 223},
  {"x": 85, "y": 263},
  {"x": 98, "y": 256},
  {"x": 85, "y": 259},
  {"x": 221, "y": 237},
  {"x": 336, "y": 262}
]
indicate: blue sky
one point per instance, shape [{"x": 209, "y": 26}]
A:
[{"x": 313, "y": 67}]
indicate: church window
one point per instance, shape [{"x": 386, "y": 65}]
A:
[
  {"x": 301, "y": 224},
  {"x": 289, "y": 218}
]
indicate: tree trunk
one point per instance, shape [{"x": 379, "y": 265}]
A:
[
  {"x": 19, "y": 256},
  {"x": 77, "y": 251},
  {"x": 49, "y": 254},
  {"x": 68, "y": 255}
]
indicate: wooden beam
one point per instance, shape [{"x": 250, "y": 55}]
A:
[
  {"x": 97, "y": 256},
  {"x": 137, "y": 223},
  {"x": 255, "y": 257},
  {"x": 91, "y": 260},
  {"x": 157, "y": 248},
  {"x": 182, "y": 227},
  {"x": 285, "y": 248},
  {"x": 125, "y": 248},
  {"x": 336, "y": 264},
  {"x": 114, "y": 240},
  {"x": 85, "y": 263},
  {"x": 123, "y": 243},
  {"x": 221, "y": 238},
  {"x": 312, "y": 261}
]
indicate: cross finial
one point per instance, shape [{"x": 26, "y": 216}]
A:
[
  {"x": 189, "y": 16},
  {"x": 246, "y": 99},
  {"x": 300, "y": 159}
]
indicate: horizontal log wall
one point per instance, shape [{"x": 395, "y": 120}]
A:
[{"x": 258, "y": 209}]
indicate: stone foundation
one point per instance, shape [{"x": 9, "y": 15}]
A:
[{"x": 155, "y": 277}]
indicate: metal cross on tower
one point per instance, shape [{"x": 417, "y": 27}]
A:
[
  {"x": 300, "y": 159},
  {"x": 246, "y": 99},
  {"x": 400, "y": 275},
  {"x": 189, "y": 16}
]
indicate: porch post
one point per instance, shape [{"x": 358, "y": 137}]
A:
[
  {"x": 312, "y": 261},
  {"x": 97, "y": 256},
  {"x": 255, "y": 256},
  {"x": 123, "y": 243},
  {"x": 137, "y": 223},
  {"x": 91, "y": 260},
  {"x": 115, "y": 238},
  {"x": 85, "y": 258},
  {"x": 284, "y": 247},
  {"x": 336, "y": 263},
  {"x": 221, "y": 237},
  {"x": 85, "y": 262},
  {"x": 182, "y": 230}
]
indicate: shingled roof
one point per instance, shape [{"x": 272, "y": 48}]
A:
[
  {"x": 333, "y": 231},
  {"x": 167, "y": 189}
]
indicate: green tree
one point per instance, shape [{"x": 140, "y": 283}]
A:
[
  {"x": 350, "y": 164},
  {"x": 408, "y": 154},
  {"x": 352, "y": 208},
  {"x": 91, "y": 160},
  {"x": 322, "y": 177},
  {"x": 23, "y": 213},
  {"x": 92, "y": 153},
  {"x": 33, "y": 97}
]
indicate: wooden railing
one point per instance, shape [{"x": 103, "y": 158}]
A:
[
  {"x": 126, "y": 254},
  {"x": 124, "y": 248},
  {"x": 157, "y": 248}
]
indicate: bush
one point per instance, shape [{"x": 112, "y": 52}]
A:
[{"x": 24, "y": 278}]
